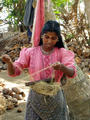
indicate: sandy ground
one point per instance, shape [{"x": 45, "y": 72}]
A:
[{"x": 20, "y": 83}]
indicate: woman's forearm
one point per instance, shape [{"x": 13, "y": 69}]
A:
[
  {"x": 68, "y": 71},
  {"x": 10, "y": 68}
]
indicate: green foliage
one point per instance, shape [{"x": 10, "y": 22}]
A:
[
  {"x": 70, "y": 36},
  {"x": 59, "y": 5},
  {"x": 16, "y": 11},
  {"x": 73, "y": 21}
]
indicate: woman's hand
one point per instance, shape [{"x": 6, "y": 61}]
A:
[
  {"x": 6, "y": 59},
  {"x": 58, "y": 66},
  {"x": 68, "y": 71}
]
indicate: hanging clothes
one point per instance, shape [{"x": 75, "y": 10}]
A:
[
  {"x": 38, "y": 22},
  {"x": 29, "y": 13}
]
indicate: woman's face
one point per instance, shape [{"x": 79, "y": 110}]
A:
[{"x": 49, "y": 39}]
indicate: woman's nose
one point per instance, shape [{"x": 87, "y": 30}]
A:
[{"x": 49, "y": 40}]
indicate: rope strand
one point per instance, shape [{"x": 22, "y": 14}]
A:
[{"x": 31, "y": 75}]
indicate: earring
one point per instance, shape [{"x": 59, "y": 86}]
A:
[{"x": 42, "y": 37}]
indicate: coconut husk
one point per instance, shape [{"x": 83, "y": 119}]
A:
[
  {"x": 45, "y": 88},
  {"x": 16, "y": 90},
  {"x": 2, "y": 104}
]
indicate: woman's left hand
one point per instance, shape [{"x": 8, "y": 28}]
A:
[
  {"x": 68, "y": 71},
  {"x": 58, "y": 66}
]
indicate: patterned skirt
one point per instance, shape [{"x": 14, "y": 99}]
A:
[{"x": 41, "y": 107}]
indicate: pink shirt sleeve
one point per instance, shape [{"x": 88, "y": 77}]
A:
[
  {"x": 67, "y": 58},
  {"x": 22, "y": 62}
]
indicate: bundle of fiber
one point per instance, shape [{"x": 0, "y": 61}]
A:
[{"x": 45, "y": 88}]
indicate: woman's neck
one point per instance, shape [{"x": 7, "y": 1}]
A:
[{"x": 46, "y": 50}]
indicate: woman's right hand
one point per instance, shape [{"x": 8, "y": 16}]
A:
[{"x": 6, "y": 59}]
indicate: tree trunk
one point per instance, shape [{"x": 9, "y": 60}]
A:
[
  {"x": 77, "y": 90},
  {"x": 87, "y": 9},
  {"x": 49, "y": 14}
]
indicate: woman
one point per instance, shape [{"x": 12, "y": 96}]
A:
[{"x": 49, "y": 51}]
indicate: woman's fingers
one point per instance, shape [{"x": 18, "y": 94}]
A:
[
  {"x": 6, "y": 58},
  {"x": 56, "y": 66}
]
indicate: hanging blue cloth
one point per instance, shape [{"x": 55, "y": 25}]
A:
[
  {"x": 29, "y": 13},
  {"x": 29, "y": 33}
]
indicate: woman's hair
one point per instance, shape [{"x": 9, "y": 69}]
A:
[{"x": 52, "y": 26}]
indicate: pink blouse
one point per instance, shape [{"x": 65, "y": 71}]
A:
[{"x": 35, "y": 60}]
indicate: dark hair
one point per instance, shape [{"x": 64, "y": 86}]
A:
[{"x": 52, "y": 26}]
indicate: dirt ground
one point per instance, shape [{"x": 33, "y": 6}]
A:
[{"x": 15, "y": 82}]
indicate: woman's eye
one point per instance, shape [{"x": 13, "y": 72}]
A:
[
  {"x": 54, "y": 38},
  {"x": 47, "y": 37}
]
